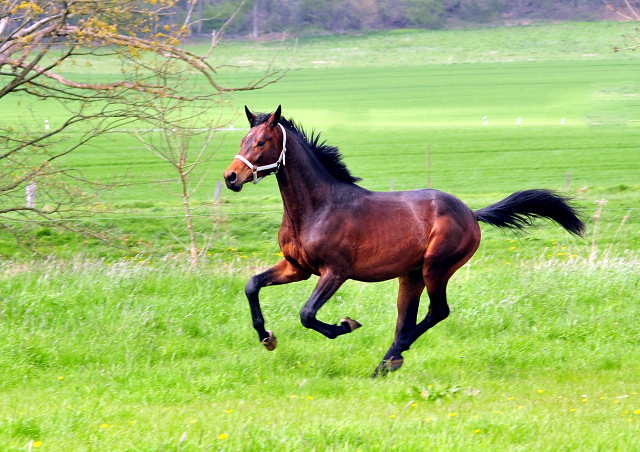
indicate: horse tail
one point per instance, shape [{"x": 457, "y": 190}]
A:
[{"x": 522, "y": 207}]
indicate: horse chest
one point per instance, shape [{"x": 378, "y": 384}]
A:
[{"x": 295, "y": 246}]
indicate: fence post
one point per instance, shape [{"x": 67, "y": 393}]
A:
[
  {"x": 31, "y": 195},
  {"x": 429, "y": 167}
]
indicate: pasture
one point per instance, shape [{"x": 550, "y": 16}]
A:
[{"x": 104, "y": 349}]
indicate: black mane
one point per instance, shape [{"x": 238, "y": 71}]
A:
[{"x": 329, "y": 156}]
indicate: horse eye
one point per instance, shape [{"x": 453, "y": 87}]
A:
[{"x": 261, "y": 143}]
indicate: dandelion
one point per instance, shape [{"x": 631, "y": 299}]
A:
[
  {"x": 279, "y": 254},
  {"x": 132, "y": 422},
  {"x": 616, "y": 401},
  {"x": 601, "y": 398},
  {"x": 229, "y": 411},
  {"x": 222, "y": 436},
  {"x": 37, "y": 444},
  {"x": 451, "y": 414},
  {"x": 540, "y": 391},
  {"x": 104, "y": 426},
  {"x": 520, "y": 407},
  {"x": 512, "y": 248},
  {"x": 414, "y": 404},
  {"x": 573, "y": 409},
  {"x": 429, "y": 418},
  {"x": 584, "y": 400},
  {"x": 475, "y": 417},
  {"x": 309, "y": 397},
  {"x": 192, "y": 421},
  {"x": 294, "y": 396},
  {"x": 476, "y": 431},
  {"x": 392, "y": 416},
  {"x": 496, "y": 412},
  {"x": 636, "y": 412},
  {"x": 511, "y": 398},
  {"x": 60, "y": 378}
]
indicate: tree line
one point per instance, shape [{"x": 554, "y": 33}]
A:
[{"x": 274, "y": 16}]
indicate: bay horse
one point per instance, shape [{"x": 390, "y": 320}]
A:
[{"x": 337, "y": 230}]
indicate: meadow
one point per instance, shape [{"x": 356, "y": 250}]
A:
[{"x": 110, "y": 349}]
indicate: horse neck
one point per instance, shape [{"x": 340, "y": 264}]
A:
[{"x": 304, "y": 182}]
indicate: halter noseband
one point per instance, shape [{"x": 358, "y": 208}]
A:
[{"x": 281, "y": 160}]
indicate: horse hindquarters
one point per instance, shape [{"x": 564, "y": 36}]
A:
[{"x": 451, "y": 246}]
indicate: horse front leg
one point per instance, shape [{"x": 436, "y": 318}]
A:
[
  {"x": 328, "y": 284},
  {"x": 282, "y": 273}
]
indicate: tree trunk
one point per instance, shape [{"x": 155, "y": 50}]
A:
[{"x": 255, "y": 19}]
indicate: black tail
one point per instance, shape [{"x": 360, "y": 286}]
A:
[{"x": 521, "y": 208}]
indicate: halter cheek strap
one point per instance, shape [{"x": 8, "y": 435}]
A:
[{"x": 276, "y": 165}]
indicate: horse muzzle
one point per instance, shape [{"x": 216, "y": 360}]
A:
[{"x": 231, "y": 180}]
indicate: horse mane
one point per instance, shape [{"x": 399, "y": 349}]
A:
[{"x": 329, "y": 156}]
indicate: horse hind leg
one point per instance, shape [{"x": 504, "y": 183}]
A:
[{"x": 409, "y": 292}]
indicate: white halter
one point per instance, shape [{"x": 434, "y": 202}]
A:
[{"x": 281, "y": 159}]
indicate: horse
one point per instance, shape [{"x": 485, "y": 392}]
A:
[{"x": 338, "y": 230}]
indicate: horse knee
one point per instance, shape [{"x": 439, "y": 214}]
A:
[
  {"x": 253, "y": 287},
  {"x": 307, "y": 317}
]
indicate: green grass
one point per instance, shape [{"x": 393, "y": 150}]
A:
[{"x": 146, "y": 346}]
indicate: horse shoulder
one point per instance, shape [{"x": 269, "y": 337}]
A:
[{"x": 292, "y": 247}]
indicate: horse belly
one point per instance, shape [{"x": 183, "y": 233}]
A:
[{"x": 394, "y": 252}]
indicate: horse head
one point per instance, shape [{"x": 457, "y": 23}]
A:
[{"x": 262, "y": 152}]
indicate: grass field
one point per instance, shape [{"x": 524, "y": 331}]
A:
[{"x": 102, "y": 349}]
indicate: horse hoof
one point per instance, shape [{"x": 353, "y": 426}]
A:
[
  {"x": 394, "y": 364},
  {"x": 270, "y": 342},
  {"x": 386, "y": 366},
  {"x": 353, "y": 324}
]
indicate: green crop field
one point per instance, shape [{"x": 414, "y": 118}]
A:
[{"x": 111, "y": 350}]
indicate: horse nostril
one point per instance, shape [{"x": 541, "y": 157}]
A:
[{"x": 232, "y": 177}]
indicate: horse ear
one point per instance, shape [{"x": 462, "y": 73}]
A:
[
  {"x": 250, "y": 116},
  {"x": 275, "y": 118}
]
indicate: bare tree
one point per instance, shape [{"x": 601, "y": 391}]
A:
[
  {"x": 40, "y": 40},
  {"x": 180, "y": 134},
  {"x": 630, "y": 11}
]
